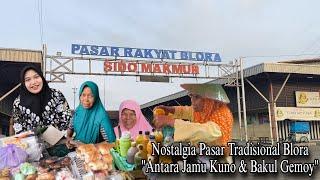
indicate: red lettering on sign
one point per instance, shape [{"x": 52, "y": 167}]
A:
[
  {"x": 195, "y": 69},
  {"x": 186, "y": 69},
  {"x": 156, "y": 68},
  {"x": 177, "y": 69},
  {"x": 107, "y": 66},
  {"x": 146, "y": 68},
  {"x": 166, "y": 69},
  {"x": 132, "y": 67},
  {"x": 122, "y": 67}
]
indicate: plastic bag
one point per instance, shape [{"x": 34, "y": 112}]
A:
[
  {"x": 27, "y": 169},
  {"x": 34, "y": 149},
  {"x": 12, "y": 156},
  {"x": 59, "y": 150}
]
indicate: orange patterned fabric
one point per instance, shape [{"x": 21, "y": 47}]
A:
[{"x": 220, "y": 114}]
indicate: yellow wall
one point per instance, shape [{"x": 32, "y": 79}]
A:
[{"x": 255, "y": 130}]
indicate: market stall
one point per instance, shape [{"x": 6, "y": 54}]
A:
[
  {"x": 28, "y": 156},
  {"x": 25, "y": 156}
]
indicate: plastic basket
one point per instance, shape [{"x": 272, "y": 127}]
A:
[
  {"x": 77, "y": 166},
  {"x": 167, "y": 131},
  {"x": 121, "y": 162}
]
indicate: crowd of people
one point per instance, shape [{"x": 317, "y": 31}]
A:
[{"x": 208, "y": 119}]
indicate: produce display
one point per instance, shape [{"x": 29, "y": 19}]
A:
[
  {"x": 23, "y": 157},
  {"x": 19, "y": 161}
]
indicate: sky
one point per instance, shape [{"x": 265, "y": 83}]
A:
[{"x": 258, "y": 31}]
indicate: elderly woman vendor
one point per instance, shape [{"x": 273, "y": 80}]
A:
[
  {"x": 90, "y": 123},
  {"x": 131, "y": 119},
  {"x": 210, "y": 119}
]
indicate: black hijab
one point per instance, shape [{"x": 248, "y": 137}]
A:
[{"x": 35, "y": 102}]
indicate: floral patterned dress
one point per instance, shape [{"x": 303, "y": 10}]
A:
[
  {"x": 214, "y": 111},
  {"x": 56, "y": 113}
]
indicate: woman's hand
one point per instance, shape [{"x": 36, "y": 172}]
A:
[
  {"x": 73, "y": 143},
  {"x": 167, "y": 109},
  {"x": 69, "y": 139},
  {"x": 160, "y": 121},
  {"x": 69, "y": 144}
]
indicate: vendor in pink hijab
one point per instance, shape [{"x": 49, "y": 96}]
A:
[{"x": 131, "y": 119}]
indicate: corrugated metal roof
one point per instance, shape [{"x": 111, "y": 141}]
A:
[
  {"x": 247, "y": 72},
  {"x": 165, "y": 99},
  {"x": 20, "y": 55},
  {"x": 250, "y": 71},
  {"x": 292, "y": 68},
  {"x": 302, "y": 61}
]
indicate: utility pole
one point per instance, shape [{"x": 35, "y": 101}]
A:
[
  {"x": 104, "y": 91},
  {"x": 74, "y": 97},
  {"x": 243, "y": 100}
]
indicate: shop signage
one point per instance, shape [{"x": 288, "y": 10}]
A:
[
  {"x": 157, "y": 68},
  {"x": 307, "y": 99},
  {"x": 127, "y": 52},
  {"x": 294, "y": 113}
]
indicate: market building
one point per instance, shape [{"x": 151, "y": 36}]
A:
[{"x": 271, "y": 105}]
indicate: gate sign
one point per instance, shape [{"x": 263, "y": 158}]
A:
[
  {"x": 134, "y": 67},
  {"x": 96, "y": 50}
]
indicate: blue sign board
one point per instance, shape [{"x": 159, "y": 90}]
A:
[
  {"x": 95, "y": 50},
  {"x": 300, "y": 127}
]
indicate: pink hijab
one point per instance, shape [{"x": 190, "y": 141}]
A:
[{"x": 141, "y": 124}]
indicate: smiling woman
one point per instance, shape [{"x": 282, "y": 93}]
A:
[
  {"x": 33, "y": 81},
  {"x": 131, "y": 119},
  {"x": 37, "y": 104}
]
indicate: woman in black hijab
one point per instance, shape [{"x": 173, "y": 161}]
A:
[{"x": 37, "y": 104}]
